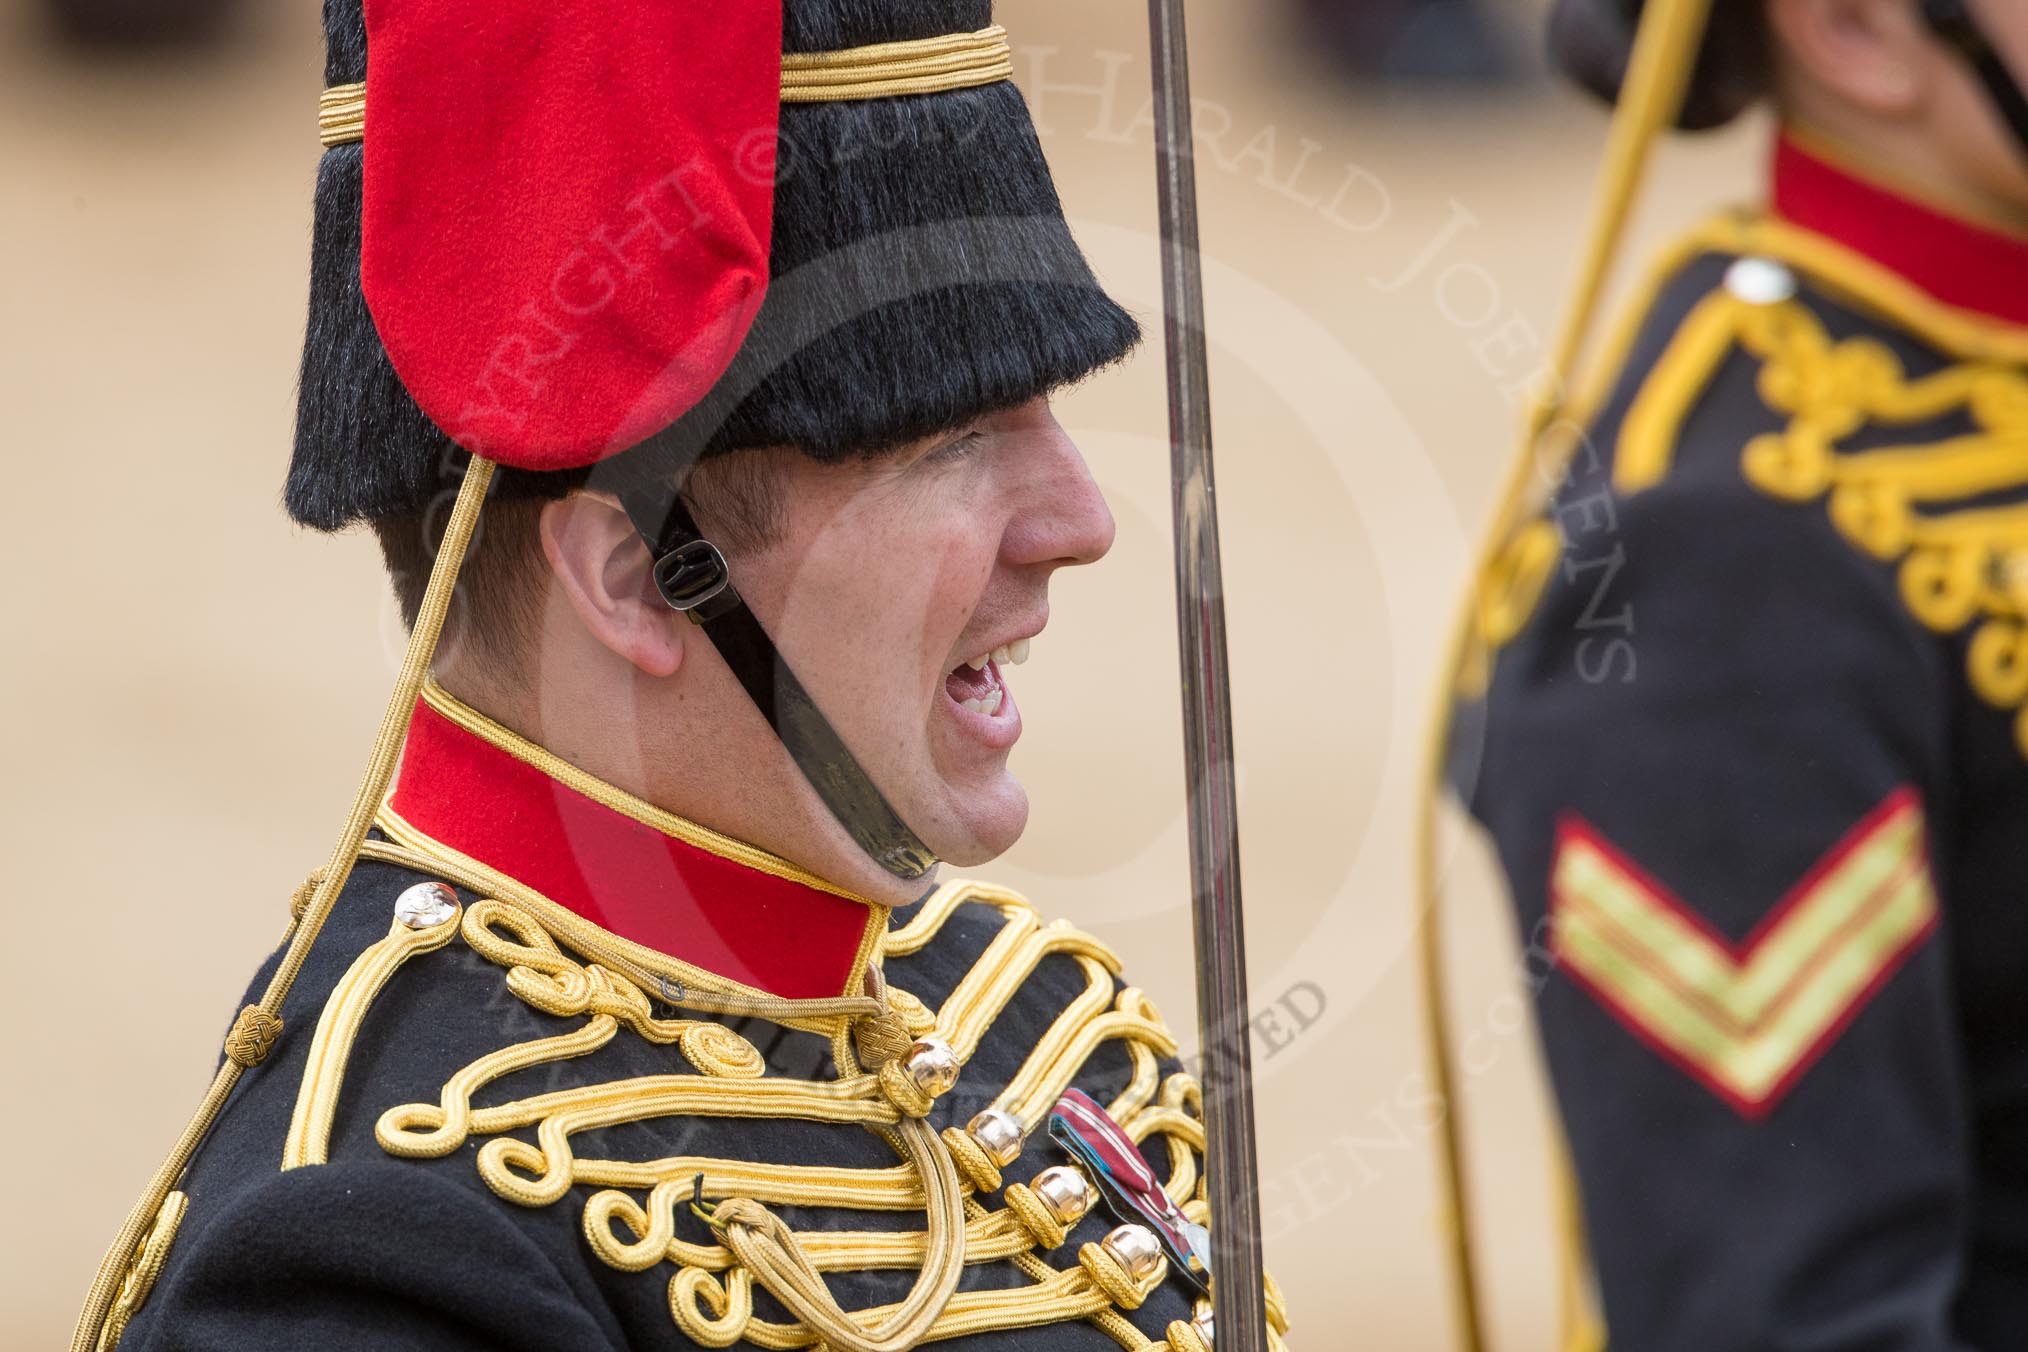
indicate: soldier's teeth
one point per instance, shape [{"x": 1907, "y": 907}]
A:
[
  {"x": 988, "y": 704},
  {"x": 1007, "y": 655}
]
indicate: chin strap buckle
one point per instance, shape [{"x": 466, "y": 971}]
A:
[{"x": 693, "y": 578}]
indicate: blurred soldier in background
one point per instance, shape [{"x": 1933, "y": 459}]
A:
[
  {"x": 1743, "y": 705},
  {"x": 140, "y": 23},
  {"x": 1415, "y": 41}
]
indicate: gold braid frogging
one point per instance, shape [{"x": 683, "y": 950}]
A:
[
  {"x": 1956, "y": 568},
  {"x": 711, "y": 1289}
]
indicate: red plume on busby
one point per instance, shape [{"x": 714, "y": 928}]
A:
[
  {"x": 558, "y": 238},
  {"x": 561, "y": 254}
]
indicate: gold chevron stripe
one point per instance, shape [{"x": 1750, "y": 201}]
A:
[{"x": 1745, "y": 1018}]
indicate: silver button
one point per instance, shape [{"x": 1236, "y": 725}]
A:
[
  {"x": 425, "y": 905},
  {"x": 1136, "y": 1249},
  {"x": 998, "y": 1134},
  {"x": 1760, "y": 281}
]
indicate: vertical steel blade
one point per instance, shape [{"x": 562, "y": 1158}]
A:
[{"x": 1241, "y": 1319}]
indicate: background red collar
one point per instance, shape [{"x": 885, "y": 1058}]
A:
[
  {"x": 774, "y": 933},
  {"x": 1960, "y": 262}
]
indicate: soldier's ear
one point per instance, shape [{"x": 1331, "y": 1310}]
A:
[
  {"x": 1874, "y": 54},
  {"x": 604, "y": 571}
]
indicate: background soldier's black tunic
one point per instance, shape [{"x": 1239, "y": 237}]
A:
[{"x": 1724, "y": 683}]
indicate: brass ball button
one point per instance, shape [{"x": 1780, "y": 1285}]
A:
[
  {"x": 1136, "y": 1249},
  {"x": 1064, "y": 1192},
  {"x": 932, "y": 1066},
  {"x": 998, "y": 1134}
]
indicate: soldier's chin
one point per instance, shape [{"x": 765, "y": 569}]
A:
[{"x": 981, "y": 823}]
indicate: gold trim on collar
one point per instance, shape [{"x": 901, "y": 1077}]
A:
[
  {"x": 880, "y": 70},
  {"x": 624, "y": 803}
]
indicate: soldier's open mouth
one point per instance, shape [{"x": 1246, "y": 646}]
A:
[
  {"x": 975, "y": 683},
  {"x": 978, "y": 689}
]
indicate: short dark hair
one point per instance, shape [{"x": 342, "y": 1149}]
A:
[{"x": 496, "y": 606}]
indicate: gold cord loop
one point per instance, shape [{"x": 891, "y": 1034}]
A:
[
  {"x": 776, "y": 1258},
  {"x": 141, "y": 1274},
  {"x": 1109, "y": 1275},
  {"x": 980, "y": 1173},
  {"x": 909, "y": 1098},
  {"x": 1041, "y": 1224},
  {"x": 730, "y": 1305}
]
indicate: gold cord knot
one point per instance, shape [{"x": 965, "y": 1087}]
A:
[
  {"x": 881, "y": 1038},
  {"x": 909, "y": 1098},
  {"x": 1183, "y": 1337},
  {"x": 254, "y": 1034},
  {"x": 972, "y": 1160},
  {"x": 300, "y": 901},
  {"x": 1109, "y": 1275},
  {"x": 1042, "y": 1226}
]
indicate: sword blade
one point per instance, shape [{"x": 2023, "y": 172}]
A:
[{"x": 1207, "y": 718}]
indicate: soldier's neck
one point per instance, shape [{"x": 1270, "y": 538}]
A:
[{"x": 624, "y": 733}]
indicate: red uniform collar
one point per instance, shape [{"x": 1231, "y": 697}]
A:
[
  {"x": 713, "y": 904},
  {"x": 1964, "y": 264}
]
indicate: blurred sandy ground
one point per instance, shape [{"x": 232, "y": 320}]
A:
[{"x": 193, "y": 684}]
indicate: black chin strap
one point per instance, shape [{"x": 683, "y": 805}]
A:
[
  {"x": 1952, "y": 22},
  {"x": 693, "y": 578}
]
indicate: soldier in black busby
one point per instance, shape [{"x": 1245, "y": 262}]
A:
[
  {"x": 637, "y": 1012},
  {"x": 1744, "y": 703}
]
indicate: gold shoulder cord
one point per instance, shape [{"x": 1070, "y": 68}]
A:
[
  {"x": 258, "y": 1025},
  {"x": 1665, "y": 50}
]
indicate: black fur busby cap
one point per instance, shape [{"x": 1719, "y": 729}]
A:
[
  {"x": 921, "y": 274},
  {"x": 1591, "y": 41}
]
